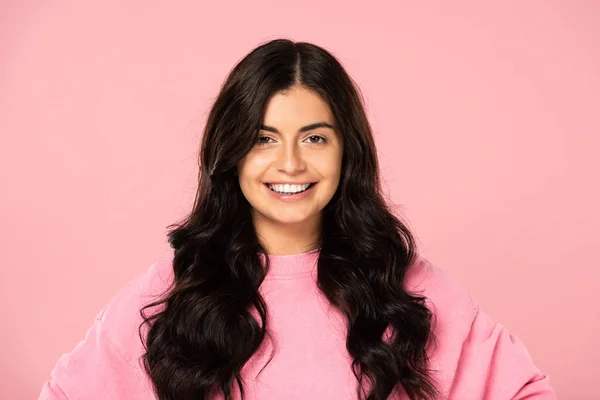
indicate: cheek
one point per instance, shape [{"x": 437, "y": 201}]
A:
[
  {"x": 329, "y": 166},
  {"x": 249, "y": 169},
  {"x": 254, "y": 165},
  {"x": 245, "y": 178}
]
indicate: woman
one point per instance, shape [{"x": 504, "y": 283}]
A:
[{"x": 291, "y": 278}]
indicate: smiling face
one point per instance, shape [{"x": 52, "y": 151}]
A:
[{"x": 294, "y": 168}]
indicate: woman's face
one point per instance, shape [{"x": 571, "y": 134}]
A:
[{"x": 298, "y": 146}]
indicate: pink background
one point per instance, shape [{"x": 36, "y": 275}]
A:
[{"x": 486, "y": 118}]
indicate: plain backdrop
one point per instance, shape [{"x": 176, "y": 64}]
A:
[{"x": 486, "y": 117}]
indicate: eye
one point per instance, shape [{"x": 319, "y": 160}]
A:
[
  {"x": 315, "y": 139},
  {"x": 262, "y": 140}
]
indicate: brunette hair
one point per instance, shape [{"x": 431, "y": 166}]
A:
[{"x": 205, "y": 332}]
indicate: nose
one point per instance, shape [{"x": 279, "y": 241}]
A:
[{"x": 290, "y": 160}]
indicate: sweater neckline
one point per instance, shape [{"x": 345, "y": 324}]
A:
[{"x": 291, "y": 265}]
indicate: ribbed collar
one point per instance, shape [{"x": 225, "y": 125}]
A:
[{"x": 292, "y": 265}]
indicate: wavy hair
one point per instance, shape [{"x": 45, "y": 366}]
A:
[{"x": 205, "y": 332}]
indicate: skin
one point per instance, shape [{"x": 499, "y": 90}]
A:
[{"x": 284, "y": 152}]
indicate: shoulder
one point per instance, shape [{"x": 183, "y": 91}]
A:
[
  {"x": 107, "y": 362},
  {"x": 451, "y": 304},
  {"x": 454, "y": 311},
  {"x": 442, "y": 289},
  {"x": 121, "y": 317},
  {"x": 473, "y": 354}
]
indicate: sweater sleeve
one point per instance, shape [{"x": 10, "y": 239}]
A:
[
  {"x": 106, "y": 364},
  {"x": 495, "y": 365},
  {"x": 94, "y": 369}
]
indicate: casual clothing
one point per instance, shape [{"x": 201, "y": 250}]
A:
[{"x": 475, "y": 357}]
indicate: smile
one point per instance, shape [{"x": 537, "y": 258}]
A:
[{"x": 289, "y": 188}]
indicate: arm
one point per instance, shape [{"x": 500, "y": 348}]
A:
[
  {"x": 495, "y": 365},
  {"x": 94, "y": 369},
  {"x": 105, "y": 364}
]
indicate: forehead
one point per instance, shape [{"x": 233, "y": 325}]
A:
[{"x": 296, "y": 106}]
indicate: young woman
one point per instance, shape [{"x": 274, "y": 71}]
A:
[{"x": 291, "y": 278}]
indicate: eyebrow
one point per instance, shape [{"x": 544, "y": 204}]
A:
[{"x": 303, "y": 129}]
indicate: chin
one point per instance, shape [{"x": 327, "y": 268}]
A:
[{"x": 291, "y": 219}]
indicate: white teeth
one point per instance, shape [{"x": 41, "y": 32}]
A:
[{"x": 289, "y": 188}]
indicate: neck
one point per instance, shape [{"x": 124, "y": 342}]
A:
[{"x": 280, "y": 239}]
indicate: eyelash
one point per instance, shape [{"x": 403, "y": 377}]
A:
[{"x": 323, "y": 140}]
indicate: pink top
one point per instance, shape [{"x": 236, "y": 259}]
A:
[{"x": 476, "y": 358}]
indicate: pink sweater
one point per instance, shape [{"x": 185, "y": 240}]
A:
[{"x": 476, "y": 358}]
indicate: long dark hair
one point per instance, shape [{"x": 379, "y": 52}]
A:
[{"x": 204, "y": 332}]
